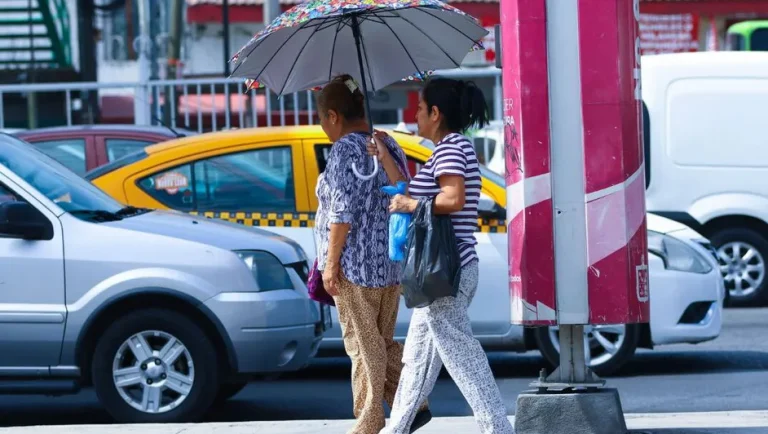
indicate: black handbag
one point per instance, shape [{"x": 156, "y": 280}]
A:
[{"x": 432, "y": 263}]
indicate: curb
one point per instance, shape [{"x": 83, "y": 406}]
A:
[{"x": 440, "y": 425}]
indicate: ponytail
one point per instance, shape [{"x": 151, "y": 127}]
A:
[{"x": 461, "y": 103}]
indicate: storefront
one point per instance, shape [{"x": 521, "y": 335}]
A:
[{"x": 666, "y": 26}]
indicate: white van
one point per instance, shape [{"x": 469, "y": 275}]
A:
[{"x": 706, "y": 144}]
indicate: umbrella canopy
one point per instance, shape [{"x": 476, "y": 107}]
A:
[{"x": 378, "y": 42}]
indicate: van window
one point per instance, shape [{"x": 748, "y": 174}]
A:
[{"x": 717, "y": 122}]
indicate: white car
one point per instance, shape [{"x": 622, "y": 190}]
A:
[{"x": 687, "y": 294}]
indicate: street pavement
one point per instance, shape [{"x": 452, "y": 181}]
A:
[{"x": 727, "y": 374}]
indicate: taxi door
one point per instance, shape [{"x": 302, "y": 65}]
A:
[{"x": 260, "y": 184}]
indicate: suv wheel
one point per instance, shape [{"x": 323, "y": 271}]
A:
[
  {"x": 155, "y": 366},
  {"x": 742, "y": 254},
  {"x": 610, "y": 346}
]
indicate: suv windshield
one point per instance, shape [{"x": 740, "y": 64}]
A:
[{"x": 59, "y": 184}]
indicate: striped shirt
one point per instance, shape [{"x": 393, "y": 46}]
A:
[{"x": 454, "y": 155}]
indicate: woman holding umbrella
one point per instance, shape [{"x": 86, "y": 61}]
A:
[
  {"x": 379, "y": 42},
  {"x": 441, "y": 333},
  {"x": 352, "y": 240}
]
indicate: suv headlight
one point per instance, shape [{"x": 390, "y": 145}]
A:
[
  {"x": 267, "y": 270},
  {"x": 676, "y": 254}
]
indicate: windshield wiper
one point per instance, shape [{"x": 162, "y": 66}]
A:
[
  {"x": 131, "y": 211},
  {"x": 97, "y": 215}
]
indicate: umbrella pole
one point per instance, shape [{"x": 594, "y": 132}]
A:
[{"x": 356, "y": 34}]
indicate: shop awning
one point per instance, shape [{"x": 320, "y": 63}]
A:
[
  {"x": 251, "y": 11},
  {"x": 703, "y": 7}
]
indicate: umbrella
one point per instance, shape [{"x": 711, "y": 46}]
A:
[{"x": 392, "y": 40}]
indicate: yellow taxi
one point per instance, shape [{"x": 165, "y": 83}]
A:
[
  {"x": 265, "y": 177},
  {"x": 257, "y": 176}
]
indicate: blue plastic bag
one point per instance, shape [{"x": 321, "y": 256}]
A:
[{"x": 398, "y": 224}]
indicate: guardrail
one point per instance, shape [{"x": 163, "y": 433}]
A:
[{"x": 202, "y": 105}]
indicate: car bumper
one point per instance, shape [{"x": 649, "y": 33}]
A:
[
  {"x": 274, "y": 331},
  {"x": 685, "y": 307}
]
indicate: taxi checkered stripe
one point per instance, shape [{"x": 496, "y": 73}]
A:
[
  {"x": 492, "y": 225},
  {"x": 271, "y": 219},
  {"x": 307, "y": 220}
]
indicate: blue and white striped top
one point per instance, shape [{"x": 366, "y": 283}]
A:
[{"x": 454, "y": 155}]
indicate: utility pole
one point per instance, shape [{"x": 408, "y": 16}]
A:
[
  {"x": 225, "y": 24},
  {"x": 174, "y": 54},
  {"x": 31, "y": 96},
  {"x": 141, "y": 46},
  {"x": 271, "y": 11},
  {"x": 88, "y": 59}
]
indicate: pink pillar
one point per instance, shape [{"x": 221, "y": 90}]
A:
[{"x": 575, "y": 173}]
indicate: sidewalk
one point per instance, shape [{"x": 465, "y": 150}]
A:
[{"x": 662, "y": 423}]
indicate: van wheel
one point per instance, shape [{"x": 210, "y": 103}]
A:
[
  {"x": 155, "y": 366},
  {"x": 742, "y": 254},
  {"x": 611, "y": 346}
]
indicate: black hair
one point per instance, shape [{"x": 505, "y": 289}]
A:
[
  {"x": 461, "y": 103},
  {"x": 337, "y": 96}
]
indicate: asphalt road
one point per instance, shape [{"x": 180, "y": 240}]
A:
[{"x": 729, "y": 373}]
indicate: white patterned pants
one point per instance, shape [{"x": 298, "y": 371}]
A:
[{"x": 440, "y": 334}]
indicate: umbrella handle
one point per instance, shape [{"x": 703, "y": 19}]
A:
[{"x": 367, "y": 177}]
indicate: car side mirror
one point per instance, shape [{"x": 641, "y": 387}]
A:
[
  {"x": 488, "y": 208},
  {"x": 20, "y": 219},
  {"x": 486, "y": 204}
]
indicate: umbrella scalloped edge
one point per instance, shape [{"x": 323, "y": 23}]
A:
[{"x": 313, "y": 9}]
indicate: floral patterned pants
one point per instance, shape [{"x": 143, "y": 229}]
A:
[
  {"x": 367, "y": 317},
  {"x": 442, "y": 333}
]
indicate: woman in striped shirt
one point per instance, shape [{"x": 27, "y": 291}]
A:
[{"x": 441, "y": 333}]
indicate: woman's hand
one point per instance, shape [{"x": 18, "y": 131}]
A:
[
  {"x": 331, "y": 280},
  {"x": 401, "y": 203},
  {"x": 377, "y": 147}
]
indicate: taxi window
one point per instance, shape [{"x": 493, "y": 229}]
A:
[
  {"x": 172, "y": 187},
  {"x": 253, "y": 181}
]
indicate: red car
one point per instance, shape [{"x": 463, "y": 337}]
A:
[{"x": 85, "y": 147}]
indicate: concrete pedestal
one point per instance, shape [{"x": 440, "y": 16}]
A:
[{"x": 587, "y": 412}]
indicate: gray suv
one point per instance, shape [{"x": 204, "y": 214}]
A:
[{"x": 161, "y": 312}]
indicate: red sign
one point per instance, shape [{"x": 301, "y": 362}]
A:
[
  {"x": 668, "y": 33},
  {"x": 489, "y": 41}
]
